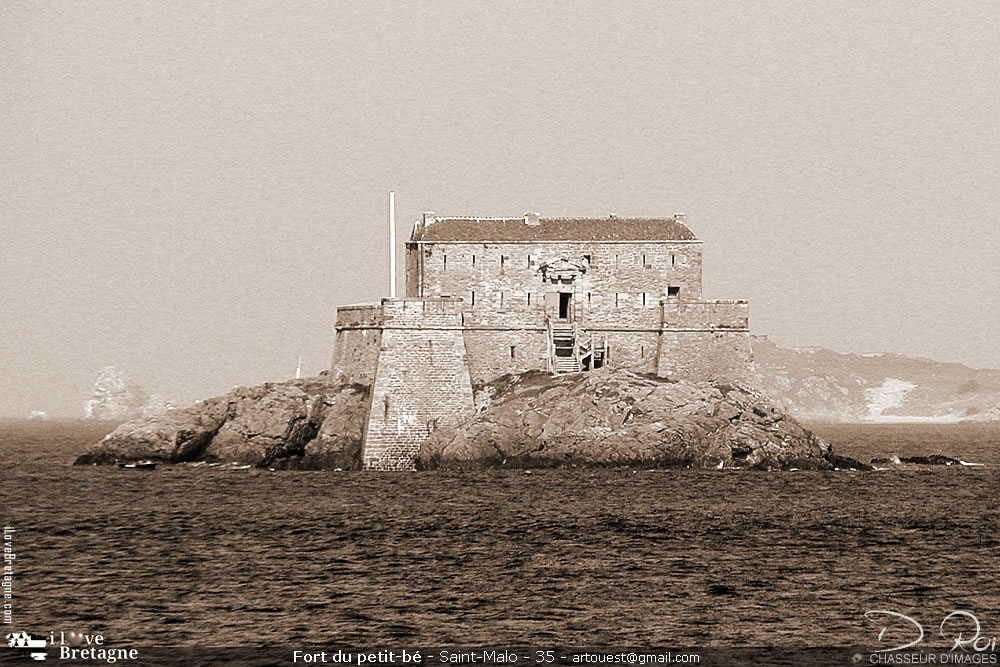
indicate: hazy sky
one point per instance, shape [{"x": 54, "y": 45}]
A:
[{"x": 189, "y": 189}]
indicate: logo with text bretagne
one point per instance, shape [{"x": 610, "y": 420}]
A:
[{"x": 24, "y": 640}]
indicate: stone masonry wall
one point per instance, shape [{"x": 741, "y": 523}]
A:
[
  {"x": 490, "y": 353},
  {"x": 734, "y": 314},
  {"x": 706, "y": 355},
  {"x": 422, "y": 380},
  {"x": 357, "y": 342},
  {"x": 634, "y": 350},
  {"x": 506, "y": 277}
]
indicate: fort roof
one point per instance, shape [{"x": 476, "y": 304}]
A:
[{"x": 533, "y": 228}]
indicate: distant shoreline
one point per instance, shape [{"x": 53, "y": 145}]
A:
[{"x": 895, "y": 419}]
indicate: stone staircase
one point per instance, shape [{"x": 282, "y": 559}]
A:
[
  {"x": 572, "y": 350},
  {"x": 564, "y": 348}
]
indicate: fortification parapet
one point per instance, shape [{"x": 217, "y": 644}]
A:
[
  {"x": 359, "y": 314},
  {"x": 700, "y": 315},
  {"x": 422, "y": 312}
]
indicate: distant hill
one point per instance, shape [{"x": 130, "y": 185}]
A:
[{"x": 819, "y": 384}]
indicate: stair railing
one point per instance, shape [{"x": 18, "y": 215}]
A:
[{"x": 551, "y": 345}]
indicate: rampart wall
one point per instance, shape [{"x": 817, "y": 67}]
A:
[
  {"x": 706, "y": 355},
  {"x": 496, "y": 352},
  {"x": 719, "y": 314},
  {"x": 357, "y": 341},
  {"x": 422, "y": 379}
]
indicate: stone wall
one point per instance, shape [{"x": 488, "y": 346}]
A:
[
  {"x": 357, "y": 340},
  {"x": 422, "y": 381},
  {"x": 628, "y": 311},
  {"x": 507, "y": 276},
  {"x": 490, "y": 353},
  {"x": 706, "y": 355},
  {"x": 720, "y": 314},
  {"x": 634, "y": 350}
]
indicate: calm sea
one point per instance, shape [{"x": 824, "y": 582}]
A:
[{"x": 185, "y": 556}]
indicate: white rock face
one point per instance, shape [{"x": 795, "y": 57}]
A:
[
  {"x": 891, "y": 394},
  {"x": 115, "y": 397}
]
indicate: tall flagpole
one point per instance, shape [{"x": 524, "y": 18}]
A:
[{"x": 392, "y": 245}]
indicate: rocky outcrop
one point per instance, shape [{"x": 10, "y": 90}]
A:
[
  {"x": 338, "y": 443},
  {"x": 620, "y": 418},
  {"x": 267, "y": 422},
  {"x": 601, "y": 418},
  {"x": 179, "y": 435},
  {"x": 311, "y": 422}
]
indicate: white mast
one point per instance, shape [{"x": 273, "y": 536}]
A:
[{"x": 392, "y": 245}]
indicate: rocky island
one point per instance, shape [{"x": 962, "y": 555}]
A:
[
  {"x": 522, "y": 341},
  {"x": 528, "y": 420}
]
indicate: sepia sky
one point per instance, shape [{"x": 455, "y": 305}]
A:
[{"x": 189, "y": 189}]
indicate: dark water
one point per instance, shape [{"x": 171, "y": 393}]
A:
[{"x": 186, "y": 556}]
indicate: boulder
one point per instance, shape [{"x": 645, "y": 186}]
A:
[
  {"x": 266, "y": 422},
  {"x": 620, "y": 418},
  {"x": 337, "y": 445},
  {"x": 178, "y": 435}
]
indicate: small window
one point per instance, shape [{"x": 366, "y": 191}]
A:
[
  {"x": 473, "y": 260},
  {"x": 673, "y": 259},
  {"x": 501, "y": 300},
  {"x": 529, "y": 298},
  {"x": 586, "y": 258},
  {"x": 511, "y": 351},
  {"x": 473, "y": 298},
  {"x": 644, "y": 298},
  {"x": 616, "y": 261},
  {"x": 588, "y": 299},
  {"x": 616, "y": 299},
  {"x": 644, "y": 260},
  {"x": 445, "y": 262},
  {"x": 502, "y": 258},
  {"x": 642, "y": 351},
  {"x": 673, "y": 290}
]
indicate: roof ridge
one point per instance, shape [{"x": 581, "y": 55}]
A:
[
  {"x": 529, "y": 227},
  {"x": 638, "y": 218}
]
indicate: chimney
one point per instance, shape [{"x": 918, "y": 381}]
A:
[
  {"x": 428, "y": 217},
  {"x": 681, "y": 218},
  {"x": 532, "y": 219}
]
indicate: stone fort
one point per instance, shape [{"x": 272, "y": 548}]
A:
[{"x": 488, "y": 296}]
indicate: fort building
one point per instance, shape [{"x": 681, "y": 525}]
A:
[{"x": 488, "y": 296}]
